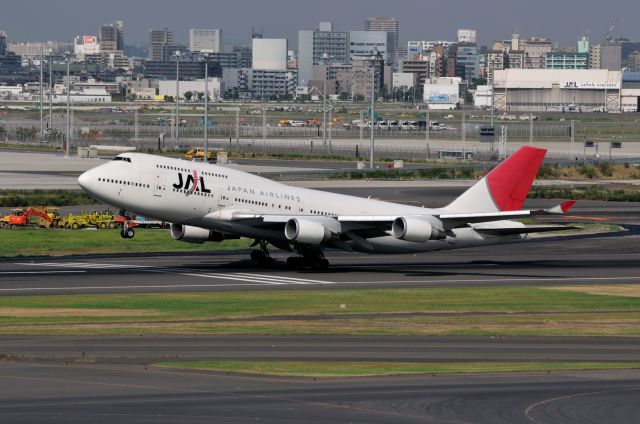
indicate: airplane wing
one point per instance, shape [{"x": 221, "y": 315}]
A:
[{"x": 379, "y": 225}]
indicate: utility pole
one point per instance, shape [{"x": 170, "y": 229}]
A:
[
  {"x": 41, "y": 93},
  {"x": 238, "y": 127},
  {"x": 206, "y": 107},
  {"x": 324, "y": 102},
  {"x": 50, "y": 89},
  {"x": 426, "y": 131},
  {"x": 135, "y": 126},
  {"x": 177, "y": 123},
  {"x": 264, "y": 128},
  {"x": 373, "y": 97},
  {"x": 464, "y": 139},
  {"x": 68, "y": 146},
  {"x": 530, "y": 129}
]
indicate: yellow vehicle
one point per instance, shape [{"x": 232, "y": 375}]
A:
[
  {"x": 197, "y": 153},
  {"x": 284, "y": 123}
]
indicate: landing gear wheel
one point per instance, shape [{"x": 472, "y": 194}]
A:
[
  {"x": 127, "y": 233},
  {"x": 295, "y": 262},
  {"x": 262, "y": 256}
]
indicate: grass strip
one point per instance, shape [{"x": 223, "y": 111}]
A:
[
  {"x": 362, "y": 369},
  {"x": 435, "y": 311},
  {"x": 56, "y": 242}
]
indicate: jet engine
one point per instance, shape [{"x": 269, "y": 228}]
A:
[
  {"x": 418, "y": 229},
  {"x": 306, "y": 231},
  {"x": 189, "y": 234}
]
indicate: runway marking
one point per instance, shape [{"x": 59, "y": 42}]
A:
[
  {"x": 258, "y": 278},
  {"x": 531, "y": 407}
]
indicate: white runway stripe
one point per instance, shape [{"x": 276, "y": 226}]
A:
[{"x": 281, "y": 277}]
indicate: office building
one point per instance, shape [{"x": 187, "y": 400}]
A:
[
  {"x": 594, "y": 56},
  {"x": 369, "y": 43},
  {"x": 214, "y": 86},
  {"x": 189, "y": 69},
  {"x": 467, "y": 61},
  {"x": 84, "y": 45},
  {"x": 388, "y": 24},
  {"x": 313, "y": 45},
  {"x": 583, "y": 44},
  {"x": 611, "y": 56},
  {"x": 111, "y": 37},
  {"x": 467, "y": 36},
  {"x": 566, "y": 60},
  {"x": 205, "y": 40},
  {"x": 269, "y": 54},
  {"x": 3, "y": 43},
  {"x": 158, "y": 42},
  {"x": 265, "y": 84},
  {"x": 633, "y": 61}
]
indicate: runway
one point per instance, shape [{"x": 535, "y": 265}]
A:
[
  {"x": 603, "y": 259},
  {"x": 81, "y": 393}
]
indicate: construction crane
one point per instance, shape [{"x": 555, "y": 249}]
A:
[{"x": 607, "y": 35}]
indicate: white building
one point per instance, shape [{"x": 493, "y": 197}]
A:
[
  {"x": 270, "y": 54},
  {"x": 205, "y": 40},
  {"x": 84, "y": 45},
  {"x": 365, "y": 43},
  {"x": 403, "y": 80},
  {"x": 90, "y": 95},
  {"x": 443, "y": 93},
  {"x": 557, "y": 89},
  {"x": 168, "y": 88},
  {"x": 482, "y": 98},
  {"x": 466, "y": 36}
]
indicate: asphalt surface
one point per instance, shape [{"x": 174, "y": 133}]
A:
[{"x": 81, "y": 393}]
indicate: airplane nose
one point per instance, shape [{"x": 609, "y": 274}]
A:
[{"x": 85, "y": 180}]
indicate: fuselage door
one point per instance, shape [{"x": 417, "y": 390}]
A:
[{"x": 158, "y": 185}]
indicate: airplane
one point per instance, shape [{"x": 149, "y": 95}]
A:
[{"x": 208, "y": 202}]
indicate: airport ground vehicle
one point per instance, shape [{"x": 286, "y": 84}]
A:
[
  {"x": 197, "y": 153},
  {"x": 32, "y": 216}
]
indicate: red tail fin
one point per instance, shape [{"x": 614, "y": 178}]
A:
[
  {"x": 504, "y": 188},
  {"x": 510, "y": 182}
]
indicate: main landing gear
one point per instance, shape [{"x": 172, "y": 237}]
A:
[
  {"x": 127, "y": 232},
  {"x": 309, "y": 258},
  {"x": 262, "y": 256}
]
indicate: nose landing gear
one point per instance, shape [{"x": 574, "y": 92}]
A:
[{"x": 127, "y": 232}]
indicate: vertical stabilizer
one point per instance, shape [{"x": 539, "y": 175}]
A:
[{"x": 506, "y": 187}]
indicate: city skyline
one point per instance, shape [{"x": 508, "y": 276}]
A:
[{"x": 560, "y": 22}]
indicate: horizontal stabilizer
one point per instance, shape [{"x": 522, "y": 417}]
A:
[{"x": 524, "y": 230}]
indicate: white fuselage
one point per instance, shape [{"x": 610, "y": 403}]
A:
[{"x": 163, "y": 188}]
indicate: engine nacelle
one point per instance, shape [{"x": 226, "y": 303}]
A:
[
  {"x": 306, "y": 231},
  {"x": 416, "y": 229},
  {"x": 189, "y": 234}
]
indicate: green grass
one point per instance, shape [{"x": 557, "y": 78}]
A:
[
  {"x": 36, "y": 242},
  {"x": 21, "y": 198},
  {"x": 627, "y": 194},
  {"x": 361, "y": 369},
  {"x": 288, "y": 312}
]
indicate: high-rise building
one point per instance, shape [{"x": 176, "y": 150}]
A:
[
  {"x": 269, "y": 54},
  {"x": 611, "y": 56},
  {"x": 389, "y": 24},
  {"x": 368, "y": 43},
  {"x": 3, "y": 43},
  {"x": 583, "y": 44},
  {"x": 158, "y": 42},
  {"x": 594, "y": 56},
  {"x": 112, "y": 37},
  {"x": 205, "y": 40},
  {"x": 467, "y": 61},
  {"x": 566, "y": 60},
  {"x": 314, "y": 45},
  {"x": 633, "y": 61}
]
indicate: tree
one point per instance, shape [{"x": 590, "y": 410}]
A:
[
  {"x": 188, "y": 95},
  {"x": 200, "y": 95}
]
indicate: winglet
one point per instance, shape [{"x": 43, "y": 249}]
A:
[{"x": 563, "y": 207}]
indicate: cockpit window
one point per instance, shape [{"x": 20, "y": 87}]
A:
[{"x": 122, "y": 158}]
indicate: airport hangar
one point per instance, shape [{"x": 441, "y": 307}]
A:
[{"x": 542, "y": 90}]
